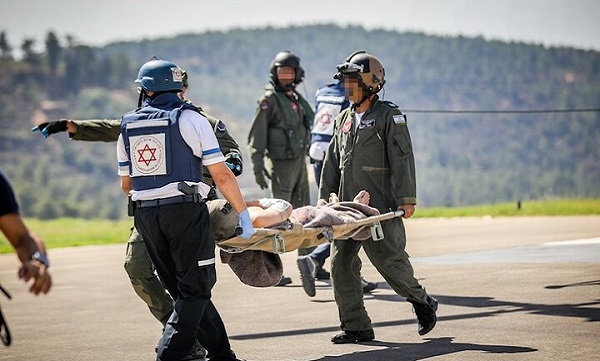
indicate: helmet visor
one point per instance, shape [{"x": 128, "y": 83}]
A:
[{"x": 348, "y": 69}]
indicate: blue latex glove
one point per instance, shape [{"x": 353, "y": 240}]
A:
[{"x": 246, "y": 223}]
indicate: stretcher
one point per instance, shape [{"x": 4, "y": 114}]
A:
[{"x": 276, "y": 240}]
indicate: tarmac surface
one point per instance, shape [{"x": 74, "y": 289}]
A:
[{"x": 508, "y": 288}]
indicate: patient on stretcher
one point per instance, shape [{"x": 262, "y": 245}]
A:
[
  {"x": 277, "y": 213},
  {"x": 335, "y": 213},
  {"x": 260, "y": 268}
]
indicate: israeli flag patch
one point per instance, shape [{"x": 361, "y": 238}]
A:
[{"x": 400, "y": 119}]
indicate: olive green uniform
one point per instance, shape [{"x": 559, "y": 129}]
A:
[
  {"x": 138, "y": 265},
  {"x": 281, "y": 132},
  {"x": 377, "y": 157}
]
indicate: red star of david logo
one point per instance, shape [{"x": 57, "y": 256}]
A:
[
  {"x": 141, "y": 153},
  {"x": 325, "y": 119}
]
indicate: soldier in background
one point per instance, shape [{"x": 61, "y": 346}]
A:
[{"x": 280, "y": 131}]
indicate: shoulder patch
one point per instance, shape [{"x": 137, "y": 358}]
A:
[
  {"x": 221, "y": 126},
  {"x": 264, "y": 104},
  {"x": 400, "y": 119}
]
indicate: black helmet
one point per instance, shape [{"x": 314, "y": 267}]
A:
[
  {"x": 367, "y": 67},
  {"x": 287, "y": 58}
]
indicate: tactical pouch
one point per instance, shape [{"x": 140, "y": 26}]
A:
[{"x": 130, "y": 207}]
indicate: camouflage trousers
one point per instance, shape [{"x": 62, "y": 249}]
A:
[{"x": 144, "y": 280}]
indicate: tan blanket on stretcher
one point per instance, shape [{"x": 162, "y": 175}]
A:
[{"x": 310, "y": 226}]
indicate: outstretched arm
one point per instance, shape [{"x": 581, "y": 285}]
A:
[{"x": 87, "y": 130}]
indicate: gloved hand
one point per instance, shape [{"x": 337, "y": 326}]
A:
[
  {"x": 48, "y": 128},
  {"x": 234, "y": 162},
  {"x": 260, "y": 180},
  {"x": 246, "y": 223}
]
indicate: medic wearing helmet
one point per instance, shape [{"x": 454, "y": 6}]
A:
[
  {"x": 161, "y": 151},
  {"x": 371, "y": 149},
  {"x": 137, "y": 263}
]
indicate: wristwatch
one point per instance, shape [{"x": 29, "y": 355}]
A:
[{"x": 40, "y": 257}]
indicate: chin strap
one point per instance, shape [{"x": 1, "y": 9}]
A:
[
  {"x": 141, "y": 98},
  {"x": 368, "y": 93},
  {"x": 280, "y": 87},
  {"x": 356, "y": 105},
  {"x": 365, "y": 97}
]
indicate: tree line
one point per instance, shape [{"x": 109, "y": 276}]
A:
[{"x": 462, "y": 158}]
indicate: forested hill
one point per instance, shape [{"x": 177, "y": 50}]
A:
[{"x": 497, "y": 151}]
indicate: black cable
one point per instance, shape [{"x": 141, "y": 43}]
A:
[{"x": 530, "y": 111}]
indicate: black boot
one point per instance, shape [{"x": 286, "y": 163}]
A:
[
  {"x": 353, "y": 336},
  {"x": 367, "y": 286},
  {"x": 426, "y": 314}
]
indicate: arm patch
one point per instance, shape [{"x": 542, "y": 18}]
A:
[
  {"x": 264, "y": 104},
  {"x": 221, "y": 126},
  {"x": 400, "y": 119}
]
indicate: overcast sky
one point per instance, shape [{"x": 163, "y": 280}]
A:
[{"x": 96, "y": 22}]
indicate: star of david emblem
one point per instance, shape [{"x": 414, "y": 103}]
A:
[
  {"x": 325, "y": 119},
  {"x": 142, "y": 154}
]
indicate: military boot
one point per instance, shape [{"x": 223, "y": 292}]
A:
[
  {"x": 353, "y": 336},
  {"x": 426, "y": 314}
]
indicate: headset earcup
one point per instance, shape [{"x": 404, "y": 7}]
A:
[{"x": 299, "y": 75}]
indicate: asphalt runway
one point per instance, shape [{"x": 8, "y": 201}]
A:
[{"x": 509, "y": 289}]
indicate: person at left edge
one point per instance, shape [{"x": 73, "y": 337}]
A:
[
  {"x": 161, "y": 150},
  {"x": 30, "y": 249}
]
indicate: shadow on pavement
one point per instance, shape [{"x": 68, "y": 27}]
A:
[
  {"x": 585, "y": 311},
  {"x": 421, "y": 351},
  {"x": 586, "y": 283},
  {"x": 588, "y": 311}
]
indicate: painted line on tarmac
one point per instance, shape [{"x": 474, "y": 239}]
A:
[
  {"x": 572, "y": 251},
  {"x": 574, "y": 242}
]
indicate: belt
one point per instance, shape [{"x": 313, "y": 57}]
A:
[{"x": 189, "y": 198}]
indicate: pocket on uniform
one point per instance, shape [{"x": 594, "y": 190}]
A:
[
  {"x": 277, "y": 143},
  {"x": 402, "y": 143}
]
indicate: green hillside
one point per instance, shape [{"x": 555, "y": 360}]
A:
[{"x": 462, "y": 158}]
